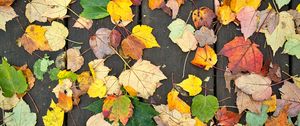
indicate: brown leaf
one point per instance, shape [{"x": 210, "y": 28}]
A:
[
  {"x": 115, "y": 38},
  {"x": 100, "y": 43},
  {"x": 294, "y": 108},
  {"x": 244, "y": 101},
  {"x": 275, "y": 72},
  {"x": 6, "y": 2},
  {"x": 268, "y": 20},
  {"x": 205, "y": 36},
  {"x": 136, "y": 2},
  {"x": 230, "y": 77},
  {"x": 203, "y": 17},
  {"x": 281, "y": 119},
  {"x": 296, "y": 18},
  {"x": 65, "y": 102},
  {"x": 132, "y": 47},
  {"x": 61, "y": 61},
  {"x": 82, "y": 22},
  {"x": 227, "y": 118},
  {"x": 174, "y": 7},
  {"x": 74, "y": 59}
]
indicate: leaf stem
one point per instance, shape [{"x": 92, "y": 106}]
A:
[{"x": 184, "y": 65}]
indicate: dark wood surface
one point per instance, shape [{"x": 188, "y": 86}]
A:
[{"x": 168, "y": 55}]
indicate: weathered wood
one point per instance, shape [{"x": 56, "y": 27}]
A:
[
  {"x": 42, "y": 90},
  {"x": 170, "y": 55},
  {"x": 78, "y": 116}
]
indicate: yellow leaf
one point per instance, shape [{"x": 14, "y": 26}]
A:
[
  {"x": 97, "y": 89},
  {"x": 98, "y": 70},
  {"x": 174, "y": 102},
  {"x": 192, "y": 85},
  {"x": 56, "y": 35},
  {"x": 238, "y": 5},
  {"x": 130, "y": 91},
  {"x": 144, "y": 34},
  {"x": 271, "y": 103},
  {"x": 225, "y": 15},
  {"x": 54, "y": 116},
  {"x": 253, "y": 3},
  {"x": 84, "y": 79},
  {"x": 298, "y": 8},
  {"x": 205, "y": 57},
  {"x": 199, "y": 122},
  {"x": 65, "y": 102},
  {"x": 120, "y": 10}
]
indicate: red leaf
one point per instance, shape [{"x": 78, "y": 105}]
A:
[
  {"x": 227, "y": 118},
  {"x": 243, "y": 55}
]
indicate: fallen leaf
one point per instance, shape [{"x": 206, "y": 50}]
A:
[
  {"x": 268, "y": 20},
  {"x": 227, "y": 118},
  {"x": 154, "y": 4},
  {"x": 117, "y": 108},
  {"x": 82, "y": 22},
  {"x": 120, "y": 11},
  {"x": 30, "y": 79},
  {"x": 296, "y": 16},
  {"x": 174, "y": 102},
  {"x": 136, "y": 2},
  {"x": 290, "y": 92},
  {"x": 254, "y": 119},
  {"x": 225, "y": 15},
  {"x": 34, "y": 39},
  {"x": 204, "y": 107},
  {"x": 205, "y": 57},
  {"x": 257, "y": 86},
  {"x": 133, "y": 47},
  {"x": 8, "y": 103},
  {"x": 275, "y": 73},
  {"x": 61, "y": 60},
  {"x": 238, "y": 5},
  {"x": 143, "y": 77},
  {"x": 244, "y": 101},
  {"x": 248, "y": 20},
  {"x": 281, "y": 3},
  {"x": 271, "y": 103},
  {"x": 40, "y": 67},
  {"x": 243, "y": 55},
  {"x": 228, "y": 76},
  {"x": 144, "y": 34},
  {"x": 281, "y": 119},
  {"x": 192, "y": 85},
  {"x": 57, "y": 8},
  {"x": 85, "y": 80},
  {"x": 294, "y": 108},
  {"x": 64, "y": 86},
  {"x": 115, "y": 38},
  {"x": 172, "y": 118},
  {"x": 7, "y": 13},
  {"x": 20, "y": 116},
  {"x": 291, "y": 45},
  {"x": 35, "y": 10},
  {"x": 74, "y": 59},
  {"x": 65, "y": 102},
  {"x": 6, "y": 2},
  {"x": 112, "y": 85},
  {"x": 284, "y": 28},
  {"x": 173, "y": 4},
  {"x": 54, "y": 116},
  {"x": 97, "y": 89},
  {"x": 95, "y": 106},
  {"x": 203, "y": 17},
  {"x": 97, "y": 120},
  {"x": 100, "y": 43},
  {"x": 205, "y": 36},
  {"x": 56, "y": 35},
  {"x": 98, "y": 69},
  {"x": 64, "y": 74},
  {"x": 183, "y": 35},
  {"x": 94, "y": 9},
  {"x": 12, "y": 81}
]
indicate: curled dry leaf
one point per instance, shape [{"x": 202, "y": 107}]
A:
[
  {"x": 143, "y": 77},
  {"x": 205, "y": 57},
  {"x": 100, "y": 43},
  {"x": 244, "y": 101},
  {"x": 257, "y": 86},
  {"x": 175, "y": 103},
  {"x": 203, "y": 17},
  {"x": 133, "y": 47},
  {"x": 56, "y": 35},
  {"x": 6, "y": 2},
  {"x": 120, "y": 11},
  {"x": 97, "y": 120},
  {"x": 225, "y": 15},
  {"x": 243, "y": 55},
  {"x": 173, "y": 4},
  {"x": 82, "y": 22},
  {"x": 227, "y": 118},
  {"x": 74, "y": 59},
  {"x": 205, "y": 36},
  {"x": 7, "y": 13},
  {"x": 248, "y": 20}
]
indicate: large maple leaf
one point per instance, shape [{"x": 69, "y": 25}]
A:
[{"x": 243, "y": 55}]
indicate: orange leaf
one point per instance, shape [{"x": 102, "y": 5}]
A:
[
  {"x": 227, "y": 118},
  {"x": 205, "y": 57},
  {"x": 281, "y": 119},
  {"x": 133, "y": 47},
  {"x": 203, "y": 17},
  {"x": 225, "y": 15},
  {"x": 65, "y": 102},
  {"x": 180, "y": 2},
  {"x": 174, "y": 102},
  {"x": 6, "y": 2},
  {"x": 154, "y": 4},
  {"x": 243, "y": 55}
]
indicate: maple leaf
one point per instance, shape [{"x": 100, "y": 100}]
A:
[
  {"x": 54, "y": 116},
  {"x": 117, "y": 108},
  {"x": 56, "y": 35},
  {"x": 243, "y": 55},
  {"x": 192, "y": 85},
  {"x": 100, "y": 43},
  {"x": 244, "y": 101},
  {"x": 133, "y": 47},
  {"x": 205, "y": 36},
  {"x": 74, "y": 59},
  {"x": 205, "y": 57},
  {"x": 144, "y": 34},
  {"x": 7, "y": 13},
  {"x": 203, "y": 17},
  {"x": 143, "y": 77},
  {"x": 20, "y": 116},
  {"x": 120, "y": 11},
  {"x": 174, "y": 102},
  {"x": 248, "y": 20},
  {"x": 97, "y": 120},
  {"x": 227, "y": 118},
  {"x": 204, "y": 107}
]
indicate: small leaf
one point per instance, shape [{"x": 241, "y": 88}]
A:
[
  {"x": 56, "y": 35},
  {"x": 120, "y": 11},
  {"x": 174, "y": 102},
  {"x": 82, "y": 22},
  {"x": 254, "y": 119},
  {"x": 203, "y": 17},
  {"x": 144, "y": 34},
  {"x": 54, "y": 116},
  {"x": 57, "y": 8},
  {"x": 204, "y": 107},
  {"x": 205, "y": 57},
  {"x": 227, "y": 118},
  {"x": 205, "y": 36},
  {"x": 65, "y": 102},
  {"x": 74, "y": 59},
  {"x": 192, "y": 85},
  {"x": 133, "y": 47},
  {"x": 225, "y": 15}
]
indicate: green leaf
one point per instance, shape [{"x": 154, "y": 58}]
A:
[
  {"x": 67, "y": 75},
  {"x": 20, "y": 116},
  {"x": 53, "y": 74},
  {"x": 281, "y": 3},
  {"x": 95, "y": 107},
  {"x": 254, "y": 119},
  {"x": 177, "y": 28},
  {"x": 40, "y": 67},
  {"x": 298, "y": 119},
  {"x": 11, "y": 80},
  {"x": 204, "y": 107},
  {"x": 94, "y": 9},
  {"x": 143, "y": 114},
  {"x": 292, "y": 46}
]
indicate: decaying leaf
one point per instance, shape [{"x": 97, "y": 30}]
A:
[
  {"x": 100, "y": 43},
  {"x": 65, "y": 102},
  {"x": 205, "y": 57},
  {"x": 244, "y": 101},
  {"x": 204, "y": 107},
  {"x": 54, "y": 116},
  {"x": 143, "y": 77},
  {"x": 203, "y": 17},
  {"x": 227, "y": 118},
  {"x": 82, "y": 22},
  {"x": 56, "y": 35},
  {"x": 8, "y": 103},
  {"x": 174, "y": 102},
  {"x": 120, "y": 11},
  {"x": 7, "y": 13},
  {"x": 97, "y": 120},
  {"x": 192, "y": 85},
  {"x": 243, "y": 55},
  {"x": 205, "y": 36},
  {"x": 74, "y": 59},
  {"x": 248, "y": 20},
  {"x": 133, "y": 47},
  {"x": 281, "y": 119},
  {"x": 144, "y": 34}
]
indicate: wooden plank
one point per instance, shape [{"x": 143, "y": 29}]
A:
[
  {"x": 78, "y": 116},
  {"x": 42, "y": 91},
  {"x": 170, "y": 55}
]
